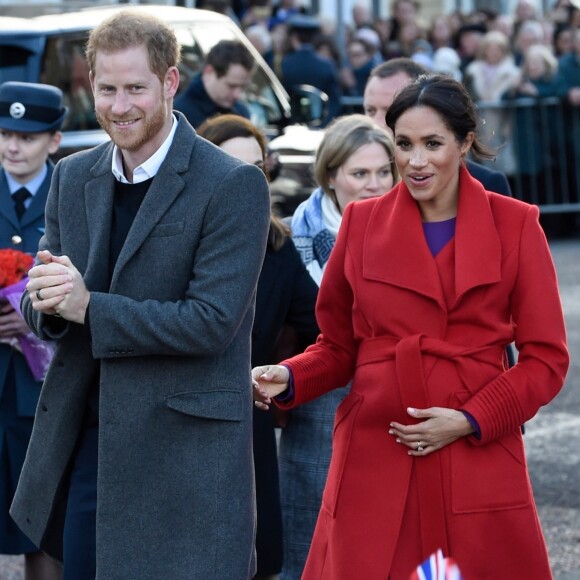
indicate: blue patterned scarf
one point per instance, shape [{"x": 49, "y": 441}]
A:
[{"x": 311, "y": 238}]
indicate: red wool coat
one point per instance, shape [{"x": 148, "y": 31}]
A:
[{"x": 418, "y": 331}]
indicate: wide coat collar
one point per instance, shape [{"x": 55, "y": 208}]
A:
[
  {"x": 395, "y": 233},
  {"x": 99, "y": 196}
]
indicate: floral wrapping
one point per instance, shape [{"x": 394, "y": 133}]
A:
[{"x": 13, "y": 280}]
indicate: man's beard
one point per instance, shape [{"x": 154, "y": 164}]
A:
[{"x": 133, "y": 141}]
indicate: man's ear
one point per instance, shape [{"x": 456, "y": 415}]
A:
[
  {"x": 171, "y": 82},
  {"x": 208, "y": 69}
]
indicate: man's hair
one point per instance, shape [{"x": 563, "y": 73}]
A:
[
  {"x": 228, "y": 52},
  {"x": 398, "y": 65},
  {"x": 129, "y": 28}
]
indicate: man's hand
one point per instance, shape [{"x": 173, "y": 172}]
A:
[
  {"x": 57, "y": 287},
  {"x": 441, "y": 426},
  {"x": 11, "y": 322}
]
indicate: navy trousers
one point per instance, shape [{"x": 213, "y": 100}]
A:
[{"x": 79, "y": 540}]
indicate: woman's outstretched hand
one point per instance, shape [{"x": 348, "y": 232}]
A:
[{"x": 268, "y": 381}]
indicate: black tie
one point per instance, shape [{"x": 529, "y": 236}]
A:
[{"x": 19, "y": 198}]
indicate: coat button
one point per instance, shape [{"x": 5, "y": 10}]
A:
[
  {"x": 44, "y": 408},
  {"x": 16, "y": 240}
]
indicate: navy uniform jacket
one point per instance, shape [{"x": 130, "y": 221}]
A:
[
  {"x": 23, "y": 236},
  {"x": 197, "y": 105},
  {"x": 305, "y": 67},
  {"x": 492, "y": 180}
]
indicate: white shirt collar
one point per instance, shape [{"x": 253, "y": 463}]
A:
[
  {"x": 149, "y": 168},
  {"x": 33, "y": 185}
]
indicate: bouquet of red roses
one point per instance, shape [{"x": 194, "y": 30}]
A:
[{"x": 14, "y": 266}]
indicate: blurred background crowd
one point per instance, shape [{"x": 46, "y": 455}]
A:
[
  {"x": 448, "y": 43},
  {"x": 519, "y": 60}
]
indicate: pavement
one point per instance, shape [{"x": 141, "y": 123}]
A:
[{"x": 551, "y": 440}]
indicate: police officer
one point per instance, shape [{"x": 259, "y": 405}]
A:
[{"x": 303, "y": 66}]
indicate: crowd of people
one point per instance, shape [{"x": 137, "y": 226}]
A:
[
  {"x": 399, "y": 400},
  {"x": 512, "y": 65},
  {"x": 446, "y": 43}
]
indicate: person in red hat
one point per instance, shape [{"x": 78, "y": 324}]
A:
[{"x": 31, "y": 116}]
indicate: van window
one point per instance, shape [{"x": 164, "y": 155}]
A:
[
  {"x": 64, "y": 66},
  {"x": 14, "y": 63}
]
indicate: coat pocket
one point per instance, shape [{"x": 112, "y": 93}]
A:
[
  {"x": 165, "y": 230},
  {"x": 221, "y": 405},
  {"x": 488, "y": 477},
  {"x": 343, "y": 425}
]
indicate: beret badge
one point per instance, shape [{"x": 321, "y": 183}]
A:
[{"x": 17, "y": 110}]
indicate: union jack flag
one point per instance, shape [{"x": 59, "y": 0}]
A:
[{"x": 437, "y": 567}]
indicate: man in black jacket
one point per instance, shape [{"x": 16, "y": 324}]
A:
[{"x": 217, "y": 89}]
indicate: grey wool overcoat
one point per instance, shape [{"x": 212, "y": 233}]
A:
[{"x": 169, "y": 334}]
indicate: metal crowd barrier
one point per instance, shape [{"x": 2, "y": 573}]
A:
[{"x": 538, "y": 144}]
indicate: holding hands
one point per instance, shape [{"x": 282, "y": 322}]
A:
[
  {"x": 268, "y": 381},
  {"x": 57, "y": 288}
]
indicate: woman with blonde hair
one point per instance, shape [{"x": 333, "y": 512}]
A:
[
  {"x": 493, "y": 72},
  {"x": 488, "y": 78},
  {"x": 356, "y": 141},
  {"x": 355, "y": 160}
]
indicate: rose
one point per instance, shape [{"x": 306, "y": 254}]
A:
[{"x": 14, "y": 266}]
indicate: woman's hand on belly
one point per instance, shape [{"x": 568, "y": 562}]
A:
[{"x": 437, "y": 428}]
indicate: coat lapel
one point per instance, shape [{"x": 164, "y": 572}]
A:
[
  {"x": 99, "y": 193},
  {"x": 395, "y": 233},
  {"x": 6, "y": 202},
  {"x": 477, "y": 244},
  {"x": 166, "y": 186}
]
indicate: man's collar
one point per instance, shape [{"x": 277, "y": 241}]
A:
[{"x": 148, "y": 168}]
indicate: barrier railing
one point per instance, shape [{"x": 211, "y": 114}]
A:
[{"x": 538, "y": 144}]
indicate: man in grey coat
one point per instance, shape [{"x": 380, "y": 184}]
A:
[{"x": 140, "y": 463}]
